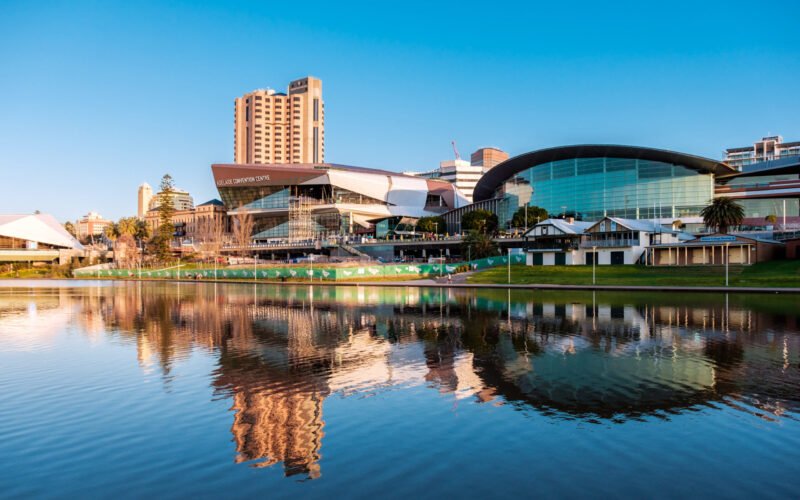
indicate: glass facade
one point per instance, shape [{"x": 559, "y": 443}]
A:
[{"x": 592, "y": 188}]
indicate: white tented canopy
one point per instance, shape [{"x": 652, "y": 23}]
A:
[{"x": 41, "y": 228}]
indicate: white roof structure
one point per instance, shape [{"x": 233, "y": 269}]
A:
[
  {"x": 645, "y": 225},
  {"x": 41, "y": 228},
  {"x": 574, "y": 227}
]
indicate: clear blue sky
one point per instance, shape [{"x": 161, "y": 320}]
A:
[{"x": 97, "y": 97}]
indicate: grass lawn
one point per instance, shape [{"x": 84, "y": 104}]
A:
[{"x": 766, "y": 274}]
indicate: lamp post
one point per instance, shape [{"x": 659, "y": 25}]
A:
[
  {"x": 727, "y": 260},
  {"x": 509, "y": 265},
  {"x": 594, "y": 264}
]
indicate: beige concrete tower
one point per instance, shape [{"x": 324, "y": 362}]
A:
[
  {"x": 273, "y": 127},
  {"x": 145, "y": 195}
]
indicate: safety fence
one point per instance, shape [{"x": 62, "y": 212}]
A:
[{"x": 355, "y": 273}]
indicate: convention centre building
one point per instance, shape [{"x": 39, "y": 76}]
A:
[
  {"x": 589, "y": 182},
  {"x": 318, "y": 200}
]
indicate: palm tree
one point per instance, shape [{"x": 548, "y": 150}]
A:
[{"x": 722, "y": 213}]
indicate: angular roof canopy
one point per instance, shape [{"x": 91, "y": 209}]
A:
[
  {"x": 41, "y": 228},
  {"x": 489, "y": 183}
]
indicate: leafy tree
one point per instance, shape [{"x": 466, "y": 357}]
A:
[
  {"x": 771, "y": 219},
  {"x": 478, "y": 245},
  {"x": 535, "y": 215},
  {"x": 70, "y": 228},
  {"x": 111, "y": 232},
  {"x": 722, "y": 213},
  {"x": 482, "y": 221},
  {"x": 127, "y": 225},
  {"x": 435, "y": 224},
  {"x": 162, "y": 240}
]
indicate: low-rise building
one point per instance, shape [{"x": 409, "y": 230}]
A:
[
  {"x": 90, "y": 225},
  {"x": 189, "y": 224},
  {"x": 714, "y": 250},
  {"x": 555, "y": 242},
  {"x": 611, "y": 240}
]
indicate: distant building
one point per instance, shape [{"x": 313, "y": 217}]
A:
[
  {"x": 465, "y": 175},
  {"x": 272, "y": 127},
  {"x": 189, "y": 224},
  {"x": 181, "y": 200},
  {"x": 91, "y": 224},
  {"x": 767, "y": 149},
  {"x": 488, "y": 157},
  {"x": 144, "y": 198}
]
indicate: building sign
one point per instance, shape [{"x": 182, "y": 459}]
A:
[
  {"x": 718, "y": 238},
  {"x": 243, "y": 180}
]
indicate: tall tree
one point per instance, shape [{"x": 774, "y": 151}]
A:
[
  {"x": 70, "y": 228},
  {"x": 722, "y": 213},
  {"x": 162, "y": 241}
]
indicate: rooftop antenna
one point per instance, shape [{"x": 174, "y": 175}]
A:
[{"x": 458, "y": 156}]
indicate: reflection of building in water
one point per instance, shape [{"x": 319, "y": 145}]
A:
[{"x": 283, "y": 350}]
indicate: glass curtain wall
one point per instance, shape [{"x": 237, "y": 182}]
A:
[{"x": 593, "y": 188}]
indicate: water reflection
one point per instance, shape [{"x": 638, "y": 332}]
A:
[{"x": 281, "y": 351}]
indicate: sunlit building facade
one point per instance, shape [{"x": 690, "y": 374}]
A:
[
  {"x": 309, "y": 201},
  {"x": 595, "y": 181}
]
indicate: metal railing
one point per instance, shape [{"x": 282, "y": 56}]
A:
[{"x": 615, "y": 243}]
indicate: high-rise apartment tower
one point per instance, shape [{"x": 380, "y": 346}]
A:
[
  {"x": 273, "y": 127},
  {"x": 145, "y": 195}
]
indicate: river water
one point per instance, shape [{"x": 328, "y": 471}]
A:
[{"x": 122, "y": 389}]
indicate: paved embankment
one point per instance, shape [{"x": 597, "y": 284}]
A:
[{"x": 459, "y": 282}]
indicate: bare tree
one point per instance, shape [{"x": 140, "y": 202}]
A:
[
  {"x": 211, "y": 235},
  {"x": 242, "y": 230}
]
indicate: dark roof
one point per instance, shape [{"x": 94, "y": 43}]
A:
[
  {"x": 212, "y": 202},
  {"x": 507, "y": 169}
]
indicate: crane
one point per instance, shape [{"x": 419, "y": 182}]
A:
[{"x": 455, "y": 150}]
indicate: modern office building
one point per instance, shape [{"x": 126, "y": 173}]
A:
[
  {"x": 590, "y": 182},
  {"x": 488, "y": 157},
  {"x": 465, "y": 174},
  {"x": 145, "y": 195},
  {"x": 460, "y": 173},
  {"x": 91, "y": 224},
  {"x": 767, "y": 149},
  {"x": 308, "y": 201},
  {"x": 275, "y": 127},
  {"x": 181, "y": 200}
]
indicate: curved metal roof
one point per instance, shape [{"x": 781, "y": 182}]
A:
[{"x": 492, "y": 179}]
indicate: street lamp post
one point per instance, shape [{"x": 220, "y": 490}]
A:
[
  {"x": 727, "y": 260},
  {"x": 594, "y": 264},
  {"x": 509, "y": 265}
]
